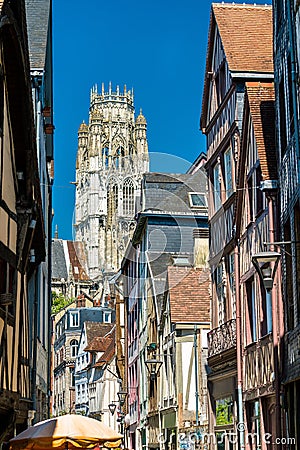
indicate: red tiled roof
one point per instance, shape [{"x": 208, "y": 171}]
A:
[
  {"x": 246, "y": 32},
  {"x": 109, "y": 352},
  {"x": 98, "y": 344},
  {"x": 247, "y": 36},
  {"x": 77, "y": 260},
  {"x": 189, "y": 294},
  {"x": 261, "y": 99},
  {"x": 96, "y": 329}
]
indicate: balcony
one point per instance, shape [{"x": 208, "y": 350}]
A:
[
  {"x": 259, "y": 368},
  {"x": 222, "y": 338}
]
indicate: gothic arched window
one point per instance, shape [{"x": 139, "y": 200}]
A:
[
  {"x": 128, "y": 197},
  {"x": 105, "y": 153},
  {"x": 112, "y": 199},
  {"x": 74, "y": 347}
]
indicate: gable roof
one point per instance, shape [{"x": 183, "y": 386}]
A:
[
  {"x": 96, "y": 329},
  {"x": 246, "y": 32},
  {"x": 100, "y": 343},
  {"x": 66, "y": 255},
  {"x": 58, "y": 261},
  {"x": 77, "y": 257},
  {"x": 261, "y": 98},
  {"x": 38, "y": 14},
  {"x": 259, "y": 109},
  {"x": 107, "y": 345},
  {"x": 189, "y": 294},
  {"x": 247, "y": 36}
]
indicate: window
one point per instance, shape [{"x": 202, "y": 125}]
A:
[
  {"x": 112, "y": 199},
  {"x": 266, "y": 311},
  {"x": 74, "y": 319},
  {"x": 224, "y": 411},
  {"x": 220, "y": 81},
  {"x": 107, "y": 317},
  {"x": 217, "y": 186},
  {"x": 220, "y": 294},
  {"x": 105, "y": 153},
  {"x": 251, "y": 303},
  {"x": 74, "y": 348},
  {"x": 255, "y": 194},
  {"x": 282, "y": 117},
  {"x": 72, "y": 376},
  {"x": 228, "y": 172},
  {"x": 290, "y": 94},
  {"x": 7, "y": 275},
  {"x": 128, "y": 197},
  {"x": 232, "y": 284},
  {"x": 224, "y": 422},
  {"x": 197, "y": 200},
  {"x": 253, "y": 425},
  {"x": 259, "y": 193}
]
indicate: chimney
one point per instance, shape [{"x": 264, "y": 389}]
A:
[{"x": 80, "y": 301}]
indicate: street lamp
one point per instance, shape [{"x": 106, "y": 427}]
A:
[
  {"x": 153, "y": 366},
  {"x": 122, "y": 395},
  {"x": 266, "y": 271},
  {"x": 112, "y": 408}
]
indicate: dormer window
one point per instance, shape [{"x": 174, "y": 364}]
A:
[
  {"x": 74, "y": 319},
  {"x": 198, "y": 200}
]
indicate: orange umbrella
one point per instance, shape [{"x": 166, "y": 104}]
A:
[{"x": 64, "y": 432}]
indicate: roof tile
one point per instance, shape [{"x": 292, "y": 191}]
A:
[
  {"x": 189, "y": 294},
  {"x": 247, "y": 36},
  {"x": 261, "y": 99}
]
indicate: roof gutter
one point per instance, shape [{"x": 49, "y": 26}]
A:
[{"x": 252, "y": 75}]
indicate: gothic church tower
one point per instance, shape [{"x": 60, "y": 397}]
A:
[{"x": 111, "y": 159}]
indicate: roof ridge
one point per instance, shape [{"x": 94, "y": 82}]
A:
[{"x": 241, "y": 5}]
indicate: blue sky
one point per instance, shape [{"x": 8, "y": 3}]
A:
[{"x": 156, "y": 47}]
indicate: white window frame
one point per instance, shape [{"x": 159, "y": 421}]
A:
[
  {"x": 107, "y": 317},
  {"x": 204, "y": 207},
  {"x": 217, "y": 186},
  {"x": 228, "y": 172},
  {"x": 74, "y": 323}
]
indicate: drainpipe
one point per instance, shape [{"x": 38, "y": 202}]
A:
[
  {"x": 196, "y": 376},
  {"x": 34, "y": 341},
  {"x": 293, "y": 74},
  {"x": 241, "y": 427},
  {"x": 276, "y": 320},
  {"x": 50, "y": 319}
]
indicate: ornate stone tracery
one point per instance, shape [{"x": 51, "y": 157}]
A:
[{"x": 112, "y": 156}]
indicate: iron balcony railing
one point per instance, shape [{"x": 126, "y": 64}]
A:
[{"x": 222, "y": 338}]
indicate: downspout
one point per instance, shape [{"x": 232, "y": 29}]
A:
[
  {"x": 276, "y": 326},
  {"x": 50, "y": 320},
  {"x": 241, "y": 426},
  {"x": 294, "y": 79},
  {"x": 196, "y": 376},
  {"x": 34, "y": 341}
]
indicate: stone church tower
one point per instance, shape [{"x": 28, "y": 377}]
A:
[{"x": 111, "y": 159}]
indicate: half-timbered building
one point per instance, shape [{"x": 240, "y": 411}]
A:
[
  {"x": 39, "y": 27},
  {"x": 22, "y": 241},
  {"x": 286, "y": 77},
  {"x": 171, "y": 223},
  {"x": 239, "y": 49},
  {"x": 256, "y": 229}
]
